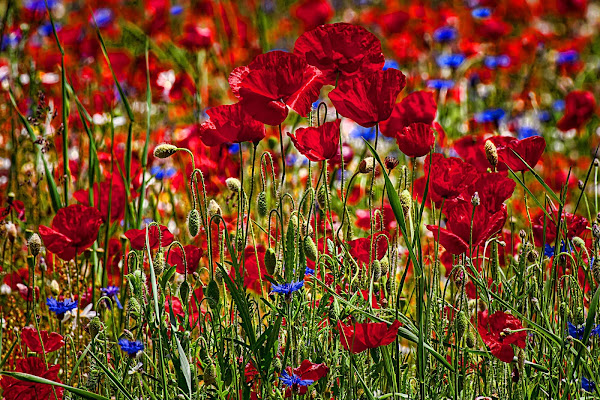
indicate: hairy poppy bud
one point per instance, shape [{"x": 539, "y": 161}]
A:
[
  {"x": 261, "y": 204},
  {"x": 470, "y": 339},
  {"x": 491, "y": 153},
  {"x": 212, "y": 293},
  {"x": 596, "y": 270},
  {"x": 94, "y": 327},
  {"x": 270, "y": 261},
  {"x": 385, "y": 265},
  {"x": 366, "y": 165},
  {"x": 310, "y": 248},
  {"x": 405, "y": 202},
  {"x": 596, "y": 231},
  {"x": 462, "y": 324},
  {"x": 475, "y": 200},
  {"x": 34, "y": 243},
  {"x": 164, "y": 150},
  {"x": 577, "y": 241},
  {"x": 213, "y": 208},
  {"x": 233, "y": 184},
  {"x": 134, "y": 309},
  {"x": 210, "y": 374},
  {"x": 193, "y": 222},
  {"x": 159, "y": 261},
  {"x": 376, "y": 270},
  {"x": 322, "y": 197},
  {"x": 391, "y": 162}
]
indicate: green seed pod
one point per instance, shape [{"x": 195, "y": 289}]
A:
[
  {"x": 233, "y": 184},
  {"x": 212, "y": 293},
  {"x": 462, "y": 324},
  {"x": 159, "y": 262},
  {"x": 193, "y": 222},
  {"x": 270, "y": 261},
  {"x": 310, "y": 248},
  {"x": 134, "y": 309},
  {"x": 385, "y": 265},
  {"x": 579, "y": 316},
  {"x": 564, "y": 311},
  {"x": 261, "y": 204},
  {"x": 470, "y": 339},
  {"x": 376, "y": 270}
]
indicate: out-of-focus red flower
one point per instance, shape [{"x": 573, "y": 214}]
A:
[
  {"x": 273, "y": 82},
  {"x": 393, "y": 22},
  {"x": 419, "y": 106},
  {"x": 196, "y": 37},
  {"x": 360, "y": 249},
  {"x": 230, "y": 124},
  {"x": 318, "y": 143},
  {"x": 497, "y": 333},
  {"x": 530, "y": 150},
  {"x": 74, "y": 229},
  {"x": 575, "y": 224},
  {"x": 137, "y": 237},
  {"x": 416, "y": 140},
  {"x": 368, "y": 99},
  {"x": 52, "y": 341},
  {"x": 580, "y": 106},
  {"x": 27, "y": 292},
  {"x": 102, "y": 198},
  {"x": 572, "y": 7},
  {"x": 17, "y": 206},
  {"x": 251, "y": 269},
  {"x": 458, "y": 233},
  {"x": 14, "y": 389},
  {"x": 368, "y": 335},
  {"x": 341, "y": 51},
  {"x": 313, "y": 13},
  {"x": 450, "y": 176},
  {"x": 192, "y": 258}
]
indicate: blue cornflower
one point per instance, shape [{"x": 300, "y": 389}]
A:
[
  {"x": 493, "y": 62},
  {"x": 527, "y": 131},
  {"x": 558, "y": 105},
  {"x": 391, "y": 64},
  {"x": 575, "y": 331},
  {"x": 567, "y": 57},
  {"x": 113, "y": 293},
  {"x": 481, "y": 12},
  {"x": 548, "y": 250},
  {"x": 362, "y": 132},
  {"x": 103, "y": 17},
  {"x": 39, "y": 5},
  {"x": 490, "y": 115},
  {"x": 60, "y": 307},
  {"x": 544, "y": 116},
  {"x": 309, "y": 271},
  {"x": 451, "y": 60},
  {"x": 294, "y": 380},
  {"x": 287, "y": 288},
  {"x": 588, "y": 385},
  {"x": 162, "y": 172},
  {"x": 46, "y": 29},
  {"x": 131, "y": 347},
  {"x": 444, "y": 34},
  {"x": 176, "y": 10},
  {"x": 440, "y": 84}
]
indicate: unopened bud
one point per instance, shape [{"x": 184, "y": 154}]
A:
[
  {"x": 34, "y": 243},
  {"x": 491, "y": 153},
  {"x": 193, "y": 222},
  {"x": 233, "y": 184},
  {"x": 475, "y": 200},
  {"x": 366, "y": 165},
  {"x": 213, "y": 208},
  {"x": 164, "y": 150},
  {"x": 261, "y": 204}
]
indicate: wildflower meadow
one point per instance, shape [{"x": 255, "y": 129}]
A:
[{"x": 313, "y": 199}]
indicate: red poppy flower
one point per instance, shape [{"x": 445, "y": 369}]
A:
[
  {"x": 450, "y": 176},
  {"x": 318, "y": 143},
  {"x": 196, "y": 37},
  {"x": 52, "y": 341},
  {"x": 13, "y": 205},
  {"x": 530, "y": 150},
  {"x": 14, "y": 389},
  {"x": 493, "y": 190},
  {"x": 273, "y": 82},
  {"x": 580, "y": 106},
  {"x": 313, "y": 13},
  {"x": 137, "y": 237},
  {"x": 472, "y": 150},
  {"x": 251, "y": 275},
  {"x": 416, "y": 140},
  {"x": 101, "y": 198},
  {"x": 74, "y": 229},
  {"x": 418, "y": 106},
  {"x": 230, "y": 124},
  {"x": 496, "y": 332},
  {"x": 368, "y": 335},
  {"x": 341, "y": 50},
  {"x": 360, "y": 249},
  {"x": 575, "y": 225},
  {"x": 368, "y": 99},
  {"x": 458, "y": 234},
  {"x": 192, "y": 258}
]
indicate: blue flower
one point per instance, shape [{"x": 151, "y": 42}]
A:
[
  {"x": 567, "y": 57},
  {"x": 549, "y": 250},
  {"x": 294, "y": 380},
  {"x": 176, "y": 10},
  {"x": 575, "y": 331},
  {"x": 103, "y": 17},
  {"x": 113, "y": 293},
  {"x": 287, "y": 288},
  {"x": 309, "y": 271},
  {"x": 362, "y": 132},
  {"x": 493, "y": 62},
  {"x": 588, "y": 385},
  {"x": 544, "y": 116},
  {"x": 60, "y": 307},
  {"x": 444, "y": 34},
  {"x": 450, "y": 60},
  {"x": 234, "y": 148},
  {"x": 131, "y": 347},
  {"x": 39, "y": 5},
  {"x": 391, "y": 64},
  {"x": 162, "y": 172},
  {"x": 527, "y": 131},
  {"x": 490, "y": 115},
  {"x": 558, "y": 105},
  {"x": 46, "y": 29},
  {"x": 481, "y": 13},
  {"x": 440, "y": 84}
]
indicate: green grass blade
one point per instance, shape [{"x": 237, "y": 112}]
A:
[{"x": 37, "y": 379}]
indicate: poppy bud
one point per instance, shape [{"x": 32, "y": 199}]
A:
[
  {"x": 159, "y": 262},
  {"x": 577, "y": 241},
  {"x": 533, "y": 255},
  {"x": 261, "y": 204},
  {"x": 134, "y": 309},
  {"x": 596, "y": 270},
  {"x": 579, "y": 316},
  {"x": 491, "y": 153},
  {"x": 10, "y": 197},
  {"x": 470, "y": 340},
  {"x": 521, "y": 359},
  {"x": 213, "y": 208},
  {"x": 385, "y": 265},
  {"x": 164, "y": 150},
  {"x": 366, "y": 165},
  {"x": 462, "y": 324},
  {"x": 391, "y": 162},
  {"x": 233, "y": 184},
  {"x": 193, "y": 222},
  {"x": 376, "y": 270},
  {"x": 580, "y": 184},
  {"x": 596, "y": 231},
  {"x": 564, "y": 311},
  {"x": 212, "y": 293},
  {"x": 34, "y": 243},
  {"x": 270, "y": 260},
  {"x": 54, "y": 287},
  {"x": 475, "y": 200},
  {"x": 277, "y": 364},
  {"x": 405, "y": 202},
  {"x": 310, "y": 248},
  {"x": 322, "y": 197},
  {"x": 522, "y": 234},
  {"x": 94, "y": 327},
  {"x": 209, "y": 374}
]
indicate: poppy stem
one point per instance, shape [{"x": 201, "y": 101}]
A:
[{"x": 282, "y": 158}]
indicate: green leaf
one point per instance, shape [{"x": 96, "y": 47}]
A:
[
  {"x": 185, "y": 364},
  {"x": 36, "y": 379}
]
